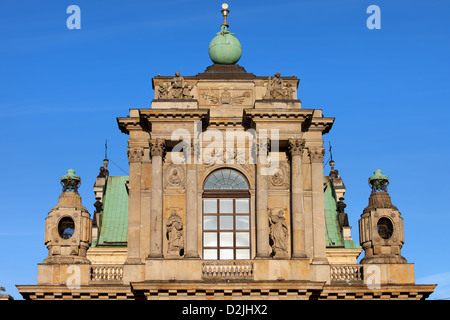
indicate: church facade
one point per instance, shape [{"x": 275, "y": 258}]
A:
[{"x": 226, "y": 198}]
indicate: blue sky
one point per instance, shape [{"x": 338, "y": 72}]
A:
[{"x": 61, "y": 91}]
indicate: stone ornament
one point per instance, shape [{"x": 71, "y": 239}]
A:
[
  {"x": 177, "y": 88},
  {"x": 278, "y": 234},
  {"x": 174, "y": 233},
  {"x": 175, "y": 176},
  {"x": 277, "y": 90},
  {"x": 296, "y": 146},
  {"x": 281, "y": 176},
  {"x": 225, "y": 97},
  {"x": 157, "y": 147},
  {"x": 135, "y": 154},
  {"x": 316, "y": 154}
]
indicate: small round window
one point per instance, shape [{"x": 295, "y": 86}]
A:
[
  {"x": 66, "y": 227},
  {"x": 385, "y": 228}
]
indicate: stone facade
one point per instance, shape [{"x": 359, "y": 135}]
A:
[
  {"x": 228, "y": 121},
  {"x": 226, "y": 199}
]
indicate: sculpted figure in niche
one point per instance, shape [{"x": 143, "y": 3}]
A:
[
  {"x": 278, "y": 232},
  {"x": 174, "y": 234}
]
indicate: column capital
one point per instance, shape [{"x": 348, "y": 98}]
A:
[
  {"x": 135, "y": 154},
  {"x": 316, "y": 154},
  {"x": 157, "y": 147},
  {"x": 296, "y": 146}
]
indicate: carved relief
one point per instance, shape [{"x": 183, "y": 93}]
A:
[
  {"x": 278, "y": 234},
  {"x": 215, "y": 97},
  {"x": 281, "y": 176},
  {"x": 177, "y": 88},
  {"x": 277, "y": 89},
  {"x": 174, "y": 176},
  {"x": 135, "y": 154},
  {"x": 174, "y": 233}
]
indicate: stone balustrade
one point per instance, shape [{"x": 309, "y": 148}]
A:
[
  {"x": 106, "y": 273},
  {"x": 232, "y": 269},
  {"x": 346, "y": 273}
]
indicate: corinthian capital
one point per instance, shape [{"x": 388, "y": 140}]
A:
[
  {"x": 135, "y": 154},
  {"x": 316, "y": 154},
  {"x": 296, "y": 146},
  {"x": 157, "y": 147}
]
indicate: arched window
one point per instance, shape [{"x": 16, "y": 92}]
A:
[
  {"x": 226, "y": 179},
  {"x": 226, "y": 216}
]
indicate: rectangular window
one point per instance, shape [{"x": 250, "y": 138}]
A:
[{"x": 226, "y": 228}]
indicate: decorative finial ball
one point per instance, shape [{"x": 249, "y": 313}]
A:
[{"x": 225, "y": 48}]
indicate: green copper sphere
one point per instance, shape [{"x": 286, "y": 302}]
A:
[{"x": 225, "y": 48}]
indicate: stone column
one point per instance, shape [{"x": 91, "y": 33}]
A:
[
  {"x": 262, "y": 217},
  {"x": 135, "y": 155},
  {"x": 298, "y": 218},
  {"x": 191, "y": 204},
  {"x": 318, "y": 217},
  {"x": 157, "y": 150}
]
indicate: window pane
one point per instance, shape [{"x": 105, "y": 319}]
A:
[
  {"x": 226, "y": 205},
  {"x": 242, "y": 239},
  {"x": 226, "y": 254},
  {"x": 210, "y": 223},
  {"x": 209, "y": 254},
  {"x": 226, "y": 222},
  {"x": 210, "y": 239},
  {"x": 210, "y": 205},
  {"x": 226, "y": 239},
  {"x": 242, "y": 206},
  {"x": 242, "y": 253},
  {"x": 242, "y": 223},
  {"x": 226, "y": 179}
]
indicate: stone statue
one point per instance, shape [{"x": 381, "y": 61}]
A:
[
  {"x": 174, "y": 229},
  {"x": 163, "y": 90},
  {"x": 278, "y": 233},
  {"x": 177, "y": 88},
  {"x": 276, "y": 89}
]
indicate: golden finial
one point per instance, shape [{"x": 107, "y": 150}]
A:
[{"x": 225, "y": 12}]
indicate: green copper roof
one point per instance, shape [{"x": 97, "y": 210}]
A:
[
  {"x": 114, "y": 226},
  {"x": 334, "y": 236}
]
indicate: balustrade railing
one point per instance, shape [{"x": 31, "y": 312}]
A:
[
  {"x": 107, "y": 273},
  {"x": 346, "y": 273},
  {"x": 232, "y": 269}
]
